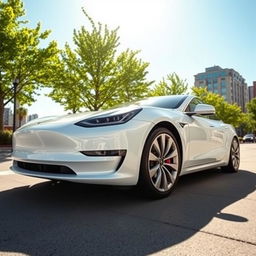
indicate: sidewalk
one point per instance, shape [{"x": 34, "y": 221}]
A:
[{"x": 5, "y": 158}]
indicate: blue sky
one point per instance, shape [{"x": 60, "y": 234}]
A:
[{"x": 182, "y": 36}]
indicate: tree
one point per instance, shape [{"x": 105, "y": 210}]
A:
[
  {"x": 67, "y": 81},
  {"x": 228, "y": 113},
  {"x": 132, "y": 77},
  {"x": 21, "y": 112},
  {"x": 251, "y": 108},
  {"x": 174, "y": 85},
  {"x": 21, "y": 57},
  {"x": 248, "y": 122},
  {"x": 94, "y": 76}
]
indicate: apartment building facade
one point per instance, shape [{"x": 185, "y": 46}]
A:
[
  {"x": 226, "y": 82},
  {"x": 252, "y": 91}
]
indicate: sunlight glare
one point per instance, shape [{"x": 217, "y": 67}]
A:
[{"x": 131, "y": 16}]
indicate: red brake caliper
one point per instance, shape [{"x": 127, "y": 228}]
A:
[{"x": 168, "y": 161}]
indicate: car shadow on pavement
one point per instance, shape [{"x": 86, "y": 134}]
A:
[{"x": 75, "y": 219}]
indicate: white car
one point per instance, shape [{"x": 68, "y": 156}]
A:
[{"x": 149, "y": 143}]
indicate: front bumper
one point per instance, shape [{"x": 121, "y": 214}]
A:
[{"x": 62, "y": 145}]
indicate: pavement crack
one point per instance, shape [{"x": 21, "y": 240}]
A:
[{"x": 186, "y": 228}]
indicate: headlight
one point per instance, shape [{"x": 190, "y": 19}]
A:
[{"x": 110, "y": 118}]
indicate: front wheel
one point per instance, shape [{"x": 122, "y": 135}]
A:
[
  {"x": 160, "y": 163},
  {"x": 234, "y": 158}
]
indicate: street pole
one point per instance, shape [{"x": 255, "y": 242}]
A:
[{"x": 15, "y": 84}]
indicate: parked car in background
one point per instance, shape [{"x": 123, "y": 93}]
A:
[{"x": 249, "y": 138}]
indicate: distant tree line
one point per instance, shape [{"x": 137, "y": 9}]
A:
[{"x": 229, "y": 113}]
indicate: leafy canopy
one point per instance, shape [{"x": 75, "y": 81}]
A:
[
  {"x": 172, "y": 85},
  {"x": 228, "y": 113},
  {"x": 251, "y": 107},
  {"x": 21, "y": 56},
  {"x": 251, "y": 116},
  {"x": 94, "y": 76}
]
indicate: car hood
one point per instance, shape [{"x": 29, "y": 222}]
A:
[
  {"x": 69, "y": 118},
  {"x": 73, "y": 118}
]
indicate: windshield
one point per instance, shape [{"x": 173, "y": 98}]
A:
[{"x": 172, "y": 102}]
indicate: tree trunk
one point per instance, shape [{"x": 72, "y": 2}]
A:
[{"x": 1, "y": 114}]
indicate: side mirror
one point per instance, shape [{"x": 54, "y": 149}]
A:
[{"x": 202, "y": 109}]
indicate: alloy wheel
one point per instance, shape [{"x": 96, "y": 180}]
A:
[
  {"x": 163, "y": 162},
  {"x": 235, "y": 154}
]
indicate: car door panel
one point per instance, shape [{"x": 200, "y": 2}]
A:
[{"x": 206, "y": 141}]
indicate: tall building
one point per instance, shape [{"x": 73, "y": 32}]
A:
[
  {"x": 7, "y": 116},
  {"x": 252, "y": 91},
  {"x": 32, "y": 117},
  {"x": 224, "y": 81}
]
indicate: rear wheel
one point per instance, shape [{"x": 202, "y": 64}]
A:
[
  {"x": 234, "y": 158},
  {"x": 160, "y": 164}
]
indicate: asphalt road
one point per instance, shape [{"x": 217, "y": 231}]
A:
[{"x": 209, "y": 213}]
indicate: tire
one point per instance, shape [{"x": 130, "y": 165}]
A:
[
  {"x": 234, "y": 157},
  {"x": 160, "y": 164}
]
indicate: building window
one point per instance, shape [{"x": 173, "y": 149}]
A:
[
  {"x": 223, "y": 90},
  {"x": 223, "y": 83},
  {"x": 215, "y": 85},
  {"x": 201, "y": 83}
]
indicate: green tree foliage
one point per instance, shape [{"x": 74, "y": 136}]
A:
[
  {"x": 93, "y": 76},
  {"x": 251, "y": 116},
  {"x": 21, "y": 56},
  {"x": 251, "y": 108},
  {"x": 67, "y": 82},
  {"x": 5, "y": 137},
  {"x": 248, "y": 123},
  {"x": 132, "y": 76},
  {"x": 228, "y": 113},
  {"x": 172, "y": 85}
]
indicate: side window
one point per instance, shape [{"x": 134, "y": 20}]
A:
[
  {"x": 191, "y": 106},
  {"x": 213, "y": 117}
]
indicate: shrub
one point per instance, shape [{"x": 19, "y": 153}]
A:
[{"x": 5, "y": 137}]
